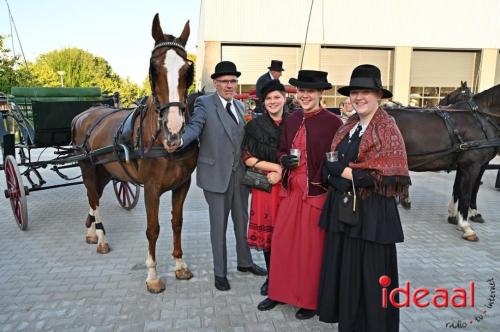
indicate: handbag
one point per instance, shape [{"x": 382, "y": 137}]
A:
[
  {"x": 347, "y": 208},
  {"x": 256, "y": 179}
]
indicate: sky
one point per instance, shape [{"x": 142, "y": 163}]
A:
[{"x": 117, "y": 30}]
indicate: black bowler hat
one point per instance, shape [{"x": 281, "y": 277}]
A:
[
  {"x": 311, "y": 79},
  {"x": 272, "y": 85},
  {"x": 365, "y": 77},
  {"x": 276, "y": 65},
  {"x": 225, "y": 68}
]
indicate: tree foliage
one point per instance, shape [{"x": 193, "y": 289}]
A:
[{"x": 9, "y": 74}]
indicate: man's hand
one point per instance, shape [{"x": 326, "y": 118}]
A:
[{"x": 289, "y": 161}]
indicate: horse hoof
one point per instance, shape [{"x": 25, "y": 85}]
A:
[
  {"x": 183, "y": 274},
  {"x": 91, "y": 239},
  {"x": 155, "y": 286},
  {"x": 103, "y": 248},
  {"x": 472, "y": 238},
  {"x": 477, "y": 218},
  {"x": 453, "y": 220}
]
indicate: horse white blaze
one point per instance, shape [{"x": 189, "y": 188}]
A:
[
  {"x": 173, "y": 63},
  {"x": 151, "y": 265}
]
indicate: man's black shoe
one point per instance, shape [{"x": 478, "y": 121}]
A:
[
  {"x": 305, "y": 314},
  {"x": 222, "y": 284},
  {"x": 255, "y": 269},
  {"x": 263, "y": 288},
  {"x": 267, "y": 304}
]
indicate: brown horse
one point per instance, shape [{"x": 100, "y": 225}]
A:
[
  {"x": 432, "y": 147},
  {"x": 158, "y": 125}
]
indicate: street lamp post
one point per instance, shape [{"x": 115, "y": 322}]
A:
[{"x": 61, "y": 73}]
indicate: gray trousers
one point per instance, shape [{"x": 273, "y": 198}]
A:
[{"x": 235, "y": 199}]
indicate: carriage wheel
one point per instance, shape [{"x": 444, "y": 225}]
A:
[
  {"x": 126, "y": 193},
  {"x": 16, "y": 192}
]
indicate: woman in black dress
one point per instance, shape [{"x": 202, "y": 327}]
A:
[{"x": 371, "y": 164}]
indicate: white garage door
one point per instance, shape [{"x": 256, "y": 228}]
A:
[{"x": 252, "y": 61}]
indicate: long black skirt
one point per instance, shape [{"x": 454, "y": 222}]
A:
[{"x": 349, "y": 291}]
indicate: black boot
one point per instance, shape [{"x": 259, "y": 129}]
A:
[
  {"x": 305, "y": 313},
  {"x": 267, "y": 304},
  {"x": 264, "y": 287}
]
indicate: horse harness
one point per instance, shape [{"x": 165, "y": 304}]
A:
[{"x": 458, "y": 144}]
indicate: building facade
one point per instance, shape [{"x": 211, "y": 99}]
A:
[{"x": 424, "y": 48}]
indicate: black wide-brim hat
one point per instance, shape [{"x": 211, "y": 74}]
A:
[
  {"x": 272, "y": 85},
  {"x": 365, "y": 77},
  {"x": 276, "y": 65},
  {"x": 225, "y": 68},
  {"x": 311, "y": 79}
]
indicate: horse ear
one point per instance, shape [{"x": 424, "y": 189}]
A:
[
  {"x": 156, "y": 30},
  {"x": 185, "y": 34}
]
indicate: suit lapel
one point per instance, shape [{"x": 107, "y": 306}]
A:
[{"x": 225, "y": 119}]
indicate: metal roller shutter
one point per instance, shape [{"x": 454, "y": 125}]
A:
[
  {"x": 252, "y": 61},
  {"x": 339, "y": 63},
  {"x": 442, "y": 69}
]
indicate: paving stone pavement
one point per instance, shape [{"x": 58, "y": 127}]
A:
[{"x": 51, "y": 280}]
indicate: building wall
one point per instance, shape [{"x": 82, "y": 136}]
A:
[{"x": 461, "y": 35}]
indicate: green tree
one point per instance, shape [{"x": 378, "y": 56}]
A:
[
  {"x": 9, "y": 74},
  {"x": 81, "y": 68}
]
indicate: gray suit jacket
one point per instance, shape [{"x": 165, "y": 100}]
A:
[{"x": 220, "y": 142}]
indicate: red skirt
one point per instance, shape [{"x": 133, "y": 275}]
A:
[
  {"x": 297, "y": 246},
  {"x": 263, "y": 209}
]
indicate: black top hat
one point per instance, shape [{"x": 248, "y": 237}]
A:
[
  {"x": 365, "y": 77},
  {"x": 225, "y": 68},
  {"x": 311, "y": 79},
  {"x": 272, "y": 85},
  {"x": 276, "y": 65}
]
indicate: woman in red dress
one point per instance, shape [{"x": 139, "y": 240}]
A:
[
  {"x": 297, "y": 238},
  {"x": 260, "y": 146}
]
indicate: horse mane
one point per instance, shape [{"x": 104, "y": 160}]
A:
[{"x": 490, "y": 96}]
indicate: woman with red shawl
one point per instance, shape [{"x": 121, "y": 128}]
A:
[
  {"x": 372, "y": 167},
  {"x": 297, "y": 241}
]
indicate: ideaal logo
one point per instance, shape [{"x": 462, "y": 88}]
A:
[{"x": 439, "y": 298}]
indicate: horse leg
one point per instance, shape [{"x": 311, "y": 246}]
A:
[
  {"x": 95, "y": 179},
  {"x": 474, "y": 215},
  {"x": 466, "y": 182},
  {"x": 152, "y": 201},
  {"x": 453, "y": 205},
  {"x": 178, "y": 196}
]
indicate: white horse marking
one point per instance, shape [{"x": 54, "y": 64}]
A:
[
  {"x": 180, "y": 264},
  {"x": 101, "y": 237},
  {"x": 452, "y": 208},
  {"x": 151, "y": 265},
  {"x": 464, "y": 226},
  {"x": 173, "y": 63}
]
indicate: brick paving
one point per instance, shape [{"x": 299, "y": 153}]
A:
[{"x": 51, "y": 280}]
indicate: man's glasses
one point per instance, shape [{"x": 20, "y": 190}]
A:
[{"x": 227, "y": 82}]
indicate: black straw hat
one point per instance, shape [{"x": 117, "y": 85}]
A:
[
  {"x": 311, "y": 79},
  {"x": 276, "y": 65},
  {"x": 225, "y": 68},
  {"x": 272, "y": 85},
  {"x": 365, "y": 77}
]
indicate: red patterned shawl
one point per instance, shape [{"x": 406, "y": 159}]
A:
[{"x": 382, "y": 152}]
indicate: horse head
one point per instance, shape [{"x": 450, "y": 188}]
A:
[
  {"x": 462, "y": 93},
  {"x": 170, "y": 75}
]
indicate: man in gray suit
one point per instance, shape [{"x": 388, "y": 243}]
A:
[{"x": 218, "y": 123}]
